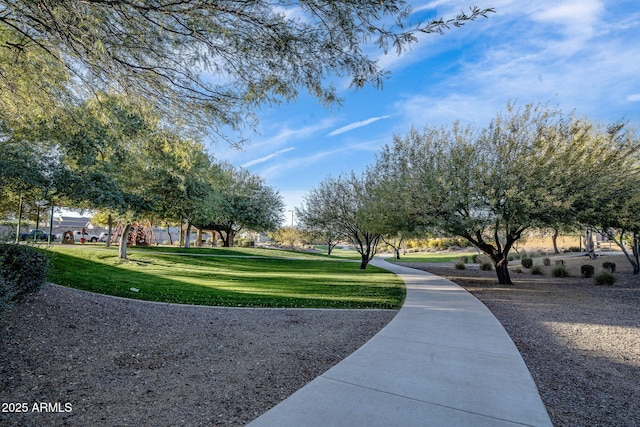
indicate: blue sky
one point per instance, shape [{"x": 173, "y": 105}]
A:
[{"x": 583, "y": 55}]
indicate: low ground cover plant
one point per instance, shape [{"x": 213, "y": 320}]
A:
[
  {"x": 560, "y": 271},
  {"x": 537, "y": 270},
  {"x": 605, "y": 278}
]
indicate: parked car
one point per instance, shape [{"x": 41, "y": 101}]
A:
[
  {"x": 38, "y": 234},
  {"x": 78, "y": 234},
  {"x": 103, "y": 236}
]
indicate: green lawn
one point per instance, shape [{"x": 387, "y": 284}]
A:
[
  {"x": 240, "y": 277},
  {"x": 434, "y": 257}
]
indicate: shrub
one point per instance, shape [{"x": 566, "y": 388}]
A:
[
  {"x": 537, "y": 270},
  {"x": 486, "y": 266},
  {"x": 460, "y": 266},
  {"x": 23, "y": 269},
  {"x": 464, "y": 259},
  {"x": 527, "y": 262},
  {"x": 574, "y": 249},
  {"x": 546, "y": 262},
  {"x": 587, "y": 270},
  {"x": 559, "y": 263},
  {"x": 560, "y": 271},
  {"x": 476, "y": 258},
  {"x": 609, "y": 266},
  {"x": 512, "y": 257},
  {"x": 605, "y": 279},
  {"x": 246, "y": 243}
]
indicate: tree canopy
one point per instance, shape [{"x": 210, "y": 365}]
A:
[
  {"x": 239, "y": 200},
  {"x": 345, "y": 207},
  {"x": 201, "y": 64},
  {"x": 531, "y": 167}
]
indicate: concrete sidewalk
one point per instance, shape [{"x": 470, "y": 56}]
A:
[{"x": 444, "y": 360}]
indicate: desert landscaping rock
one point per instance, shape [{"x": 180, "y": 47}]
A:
[{"x": 121, "y": 362}]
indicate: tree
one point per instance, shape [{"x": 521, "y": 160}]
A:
[
  {"x": 316, "y": 216},
  {"x": 208, "y": 64},
  {"x": 239, "y": 200},
  {"x": 532, "y": 167},
  {"x": 614, "y": 202},
  {"x": 108, "y": 148},
  {"x": 623, "y": 226},
  {"x": 344, "y": 205},
  {"x": 180, "y": 180}
]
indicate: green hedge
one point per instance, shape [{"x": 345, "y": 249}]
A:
[{"x": 23, "y": 270}]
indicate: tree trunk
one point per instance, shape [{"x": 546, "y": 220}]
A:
[
  {"x": 502, "y": 271},
  {"x": 636, "y": 253},
  {"x": 187, "y": 236},
  {"x": 109, "y": 230},
  {"x": 199, "y": 242},
  {"x": 589, "y": 246},
  {"x": 19, "y": 219},
  {"x": 124, "y": 239},
  {"x": 169, "y": 233},
  {"x": 364, "y": 262},
  {"x": 554, "y": 239}
]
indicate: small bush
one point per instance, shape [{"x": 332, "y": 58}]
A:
[
  {"x": 559, "y": 271},
  {"x": 519, "y": 270},
  {"x": 605, "y": 279},
  {"x": 486, "y": 266},
  {"x": 246, "y": 243},
  {"x": 559, "y": 263},
  {"x": 609, "y": 266},
  {"x": 574, "y": 249},
  {"x": 546, "y": 261},
  {"x": 476, "y": 258},
  {"x": 23, "y": 270},
  {"x": 460, "y": 266},
  {"x": 527, "y": 262},
  {"x": 464, "y": 259},
  {"x": 537, "y": 270},
  {"x": 587, "y": 270}
]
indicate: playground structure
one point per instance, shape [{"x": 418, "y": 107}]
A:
[{"x": 140, "y": 233}]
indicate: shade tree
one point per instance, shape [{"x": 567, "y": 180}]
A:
[
  {"x": 205, "y": 64},
  {"x": 344, "y": 206},
  {"x": 531, "y": 167},
  {"x": 239, "y": 200}
]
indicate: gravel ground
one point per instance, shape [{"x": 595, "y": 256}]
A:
[
  {"x": 74, "y": 358},
  {"x": 581, "y": 342}
]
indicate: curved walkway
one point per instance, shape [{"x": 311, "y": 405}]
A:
[{"x": 444, "y": 360}]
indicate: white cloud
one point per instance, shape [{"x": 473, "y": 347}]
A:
[
  {"x": 356, "y": 125},
  {"x": 634, "y": 97},
  {"x": 575, "y": 20},
  {"x": 266, "y": 158}
]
